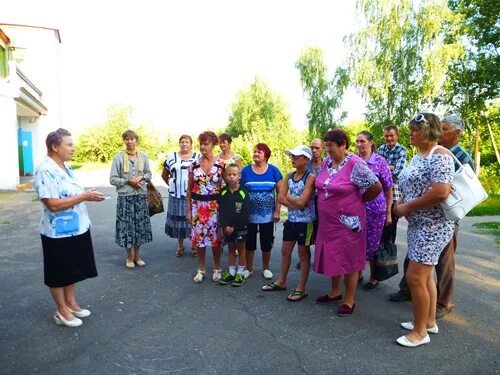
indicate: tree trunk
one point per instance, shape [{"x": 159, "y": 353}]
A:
[
  {"x": 493, "y": 141},
  {"x": 476, "y": 151}
]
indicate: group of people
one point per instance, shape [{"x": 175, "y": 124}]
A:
[{"x": 344, "y": 204}]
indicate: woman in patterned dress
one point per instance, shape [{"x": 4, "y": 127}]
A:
[
  {"x": 378, "y": 210},
  {"x": 204, "y": 185},
  {"x": 424, "y": 183},
  {"x": 175, "y": 175},
  {"x": 130, "y": 172}
]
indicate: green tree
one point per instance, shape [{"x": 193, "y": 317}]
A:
[
  {"x": 260, "y": 116},
  {"x": 325, "y": 96},
  {"x": 400, "y": 56},
  {"x": 101, "y": 142},
  {"x": 472, "y": 83}
]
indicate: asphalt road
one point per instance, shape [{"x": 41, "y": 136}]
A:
[{"x": 156, "y": 321}]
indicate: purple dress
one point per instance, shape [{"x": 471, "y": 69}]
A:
[
  {"x": 376, "y": 208},
  {"x": 341, "y": 239}
]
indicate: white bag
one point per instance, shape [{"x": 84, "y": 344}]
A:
[{"x": 467, "y": 192}]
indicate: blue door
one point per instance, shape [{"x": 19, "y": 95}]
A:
[{"x": 25, "y": 148}]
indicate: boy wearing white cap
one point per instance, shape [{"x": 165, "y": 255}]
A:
[{"x": 297, "y": 195}]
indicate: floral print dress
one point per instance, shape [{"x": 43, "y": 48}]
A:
[
  {"x": 429, "y": 231},
  {"x": 376, "y": 208},
  {"x": 204, "y": 206}
]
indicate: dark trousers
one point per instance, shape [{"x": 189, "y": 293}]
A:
[{"x": 445, "y": 273}]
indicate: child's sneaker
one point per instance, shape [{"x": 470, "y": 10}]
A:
[
  {"x": 200, "y": 275},
  {"x": 227, "y": 278},
  {"x": 217, "y": 275},
  {"x": 247, "y": 274},
  {"x": 238, "y": 280}
]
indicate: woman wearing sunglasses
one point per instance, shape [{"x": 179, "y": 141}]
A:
[{"x": 424, "y": 183}]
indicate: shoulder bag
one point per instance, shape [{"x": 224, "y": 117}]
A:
[
  {"x": 466, "y": 193},
  {"x": 155, "y": 200}
]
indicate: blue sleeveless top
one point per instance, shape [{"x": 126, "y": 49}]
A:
[{"x": 296, "y": 188}]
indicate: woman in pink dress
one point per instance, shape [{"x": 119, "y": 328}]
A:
[{"x": 343, "y": 186}]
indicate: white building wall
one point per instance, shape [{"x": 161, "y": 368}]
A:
[
  {"x": 9, "y": 177},
  {"x": 41, "y": 65}
]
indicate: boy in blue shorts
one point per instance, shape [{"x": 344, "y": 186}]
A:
[
  {"x": 297, "y": 195},
  {"x": 233, "y": 219}
]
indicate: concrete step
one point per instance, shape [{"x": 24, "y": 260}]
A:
[{"x": 25, "y": 186}]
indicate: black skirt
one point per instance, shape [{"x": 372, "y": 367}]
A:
[{"x": 68, "y": 260}]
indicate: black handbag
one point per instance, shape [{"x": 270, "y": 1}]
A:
[{"x": 386, "y": 261}]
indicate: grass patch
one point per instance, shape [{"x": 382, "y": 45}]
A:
[
  {"x": 6, "y": 222},
  {"x": 490, "y": 206},
  {"x": 489, "y": 227}
]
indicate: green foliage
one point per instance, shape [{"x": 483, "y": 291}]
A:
[
  {"x": 352, "y": 128},
  {"x": 399, "y": 58},
  {"x": 325, "y": 96},
  {"x": 101, "y": 142},
  {"x": 472, "y": 82},
  {"x": 260, "y": 116},
  {"x": 489, "y": 175}
]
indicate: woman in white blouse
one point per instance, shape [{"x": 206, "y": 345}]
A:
[
  {"x": 68, "y": 255},
  {"x": 175, "y": 175}
]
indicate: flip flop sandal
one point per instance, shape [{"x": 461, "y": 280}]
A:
[
  {"x": 273, "y": 287},
  {"x": 301, "y": 294}
]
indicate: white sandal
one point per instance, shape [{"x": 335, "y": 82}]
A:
[
  {"x": 200, "y": 275},
  {"x": 217, "y": 275}
]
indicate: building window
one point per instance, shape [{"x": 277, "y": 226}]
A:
[{"x": 3, "y": 62}]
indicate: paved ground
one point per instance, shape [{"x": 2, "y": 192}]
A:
[{"x": 156, "y": 321}]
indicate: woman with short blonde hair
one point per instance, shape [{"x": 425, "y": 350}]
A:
[{"x": 424, "y": 184}]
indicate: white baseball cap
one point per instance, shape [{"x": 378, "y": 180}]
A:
[{"x": 300, "y": 150}]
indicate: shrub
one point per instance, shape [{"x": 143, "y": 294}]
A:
[{"x": 489, "y": 175}]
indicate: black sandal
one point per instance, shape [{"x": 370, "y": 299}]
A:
[{"x": 301, "y": 294}]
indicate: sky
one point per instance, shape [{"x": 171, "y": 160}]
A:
[{"x": 180, "y": 64}]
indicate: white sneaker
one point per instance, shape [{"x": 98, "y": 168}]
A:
[
  {"x": 247, "y": 274},
  {"x": 200, "y": 275},
  {"x": 217, "y": 275},
  {"x": 409, "y": 327},
  {"x": 267, "y": 274}
]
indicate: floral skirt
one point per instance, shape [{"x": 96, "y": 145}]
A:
[
  {"x": 205, "y": 218},
  {"x": 133, "y": 224},
  {"x": 176, "y": 225},
  {"x": 375, "y": 222}
]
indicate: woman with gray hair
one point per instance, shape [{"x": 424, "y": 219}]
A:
[
  {"x": 130, "y": 172},
  {"x": 68, "y": 255}
]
